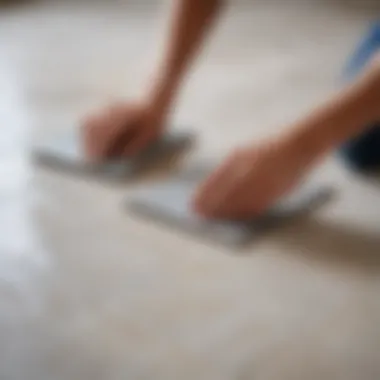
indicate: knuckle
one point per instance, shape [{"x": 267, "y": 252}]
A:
[
  {"x": 88, "y": 121},
  {"x": 238, "y": 154}
]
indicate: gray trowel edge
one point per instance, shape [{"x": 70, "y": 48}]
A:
[
  {"x": 242, "y": 232},
  {"x": 119, "y": 170}
]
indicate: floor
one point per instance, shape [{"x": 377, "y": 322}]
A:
[{"x": 88, "y": 292}]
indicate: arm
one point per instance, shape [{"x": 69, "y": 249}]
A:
[
  {"x": 252, "y": 179},
  {"x": 134, "y": 126},
  {"x": 190, "y": 21},
  {"x": 344, "y": 116}
]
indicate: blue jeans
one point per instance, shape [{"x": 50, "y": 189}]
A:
[{"x": 363, "y": 152}]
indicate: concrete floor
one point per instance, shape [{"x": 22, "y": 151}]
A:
[{"x": 87, "y": 292}]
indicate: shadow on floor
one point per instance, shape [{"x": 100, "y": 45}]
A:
[{"x": 323, "y": 242}]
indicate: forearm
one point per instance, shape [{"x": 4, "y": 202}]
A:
[
  {"x": 190, "y": 22},
  {"x": 344, "y": 116}
]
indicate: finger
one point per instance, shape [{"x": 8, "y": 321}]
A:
[
  {"x": 99, "y": 129},
  {"x": 96, "y": 130},
  {"x": 123, "y": 130},
  {"x": 139, "y": 143},
  {"x": 252, "y": 199},
  {"x": 211, "y": 182},
  {"x": 215, "y": 191},
  {"x": 119, "y": 143},
  {"x": 230, "y": 203},
  {"x": 91, "y": 146},
  {"x": 90, "y": 135},
  {"x": 110, "y": 129},
  {"x": 239, "y": 208},
  {"x": 115, "y": 131},
  {"x": 234, "y": 207}
]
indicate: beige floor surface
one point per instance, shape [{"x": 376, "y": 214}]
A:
[{"x": 87, "y": 292}]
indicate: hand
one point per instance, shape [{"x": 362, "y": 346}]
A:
[
  {"x": 251, "y": 179},
  {"x": 121, "y": 130}
]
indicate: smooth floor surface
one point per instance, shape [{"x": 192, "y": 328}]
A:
[{"x": 87, "y": 292}]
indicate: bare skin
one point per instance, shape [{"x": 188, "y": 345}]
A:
[
  {"x": 253, "y": 177},
  {"x": 146, "y": 119}
]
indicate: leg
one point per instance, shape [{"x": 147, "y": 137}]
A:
[{"x": 363, "y": 152}]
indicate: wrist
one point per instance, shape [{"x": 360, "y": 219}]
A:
[
  {"x": 161, "y": 94},
  {"x": 339, "y": 119},
  {"x": 309, "y": 144}
]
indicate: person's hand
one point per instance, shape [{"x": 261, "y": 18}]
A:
[
  {"x": 251, "y": 179},
  {"x": 121, "y": 129}
]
